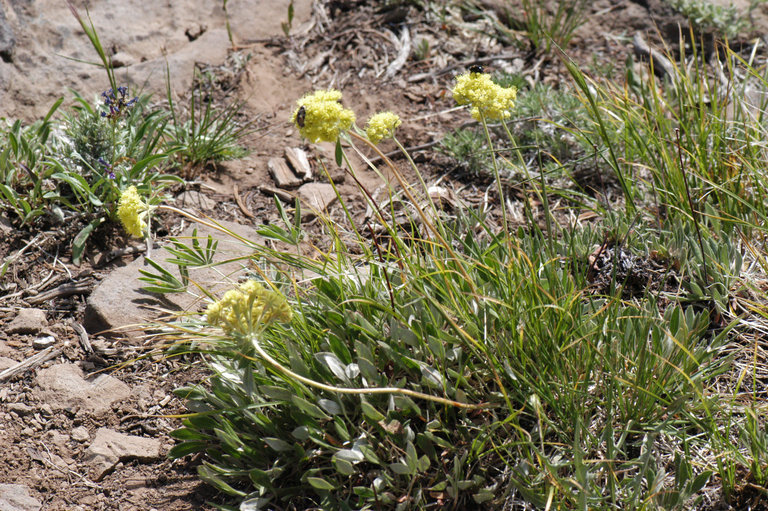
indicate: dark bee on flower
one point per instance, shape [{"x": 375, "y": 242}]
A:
[
  {"x": 476, "y": 68},
  {"x": 301, "y": 115}
]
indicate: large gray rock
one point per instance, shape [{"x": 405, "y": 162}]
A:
[
  {"x": 64, "y": 386},
  {"x": 7, "y": 38},
  {"x": 16, "y": 497},
  {"x": 51, "y": 53},
  {"x": 110, "y": 447},
  {"x": 119, "y": 306}
]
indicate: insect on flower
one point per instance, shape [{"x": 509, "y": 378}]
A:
[
  {"x": 476, "y": 68},
  {"x": 301, "y": 115}
]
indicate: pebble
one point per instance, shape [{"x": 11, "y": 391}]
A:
[
  {"x": 80, "y": 434},
  {"x": 27, "y": 321},
  {"x": 44, "y": 342}
]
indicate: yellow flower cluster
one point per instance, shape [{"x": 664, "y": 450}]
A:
[
  {"x": 131, "y": 210},
  {"x": 487, "y": 99},
  {"x": 248, "y": 308},
  {"x": 382, "y": 125},
  {"x": 320, "y": 116}
]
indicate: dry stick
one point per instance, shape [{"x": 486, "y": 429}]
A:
[
  {"x": 82, "y": 336},
  {"x": 30, "y": 363},
  {"x": 240, "y": 203},
  {"x": 67, "y": 289}
]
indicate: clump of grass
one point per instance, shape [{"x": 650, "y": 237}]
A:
[
  {"x": 206, "y": 134},
  {"x": 462, "y": 364}
]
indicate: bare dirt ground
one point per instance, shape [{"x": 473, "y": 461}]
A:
[{"x": 47, "y": 449}]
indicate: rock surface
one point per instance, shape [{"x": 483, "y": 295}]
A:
[
  {"x": 118, "y": 305},
  {"x": 317, "y": 196},
  {"x": 45, "y": 52},
  {"x": 16, "y": 497},
  {"x": 110, "y": 447},
  {"x": 64, "y": 386}
]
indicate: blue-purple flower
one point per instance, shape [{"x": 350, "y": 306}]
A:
[
  {"x": 117, "y": 103},
  {"x": 108, "y": 167}
]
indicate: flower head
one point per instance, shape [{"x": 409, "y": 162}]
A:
[
  {"x": 116, "y": 102},
  {"x": 108, "y": 167},
  {"x": 247, "y": 308},
  {"x": 132, "y": 210},
  {"x": 320, "y": 116},
  {"x": 382, "y": 125},
  {"x": 487, "y": 99}
]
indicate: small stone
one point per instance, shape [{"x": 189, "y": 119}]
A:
[
  {"x": 16, "y": 497},
  {"x": 44, "y": 342},
  {"x": 20, "y": 408},
  {"x": 318, "y": 196},
  {"x": 80, "y": 434},
  {"x": 122, "y": 59},
  {"x": 28, "y": 321},
  {"x": 109, "y": 448},
  {"x": 64, "y": 386}
]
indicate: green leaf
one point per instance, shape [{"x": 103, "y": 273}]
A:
[
  {"x": 332, "y": 407},
  {"x": 162, "y": 282},
  {"x": 185, "y": 448},
  {"x": 208, "y": 475},
  {"x": 350, "y": 455},
  {"x": 370, "y": 412},
  {"x": 320, "y": 484},
  {"x": 309, "y": 408},
  {"x": 333, "y": 363},
  {"x": 78, "y": 244},
  {"x": 276, "y": 393},
  {"x": 483, "y": 496},
  {"x": 343, "y": 467},
  {"x": 277, "y": 444},
  {"x": 339, "y": 153},
  {"x": 400, "y": 468},
  {"x": 411, "y": 457}
]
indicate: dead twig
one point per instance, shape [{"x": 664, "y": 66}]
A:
[
  {"x": 67, "y": 289},
  {"x": 240, "y": 203},
  {"x": 82, "y": 335},
  {"x": 30, "y": 363}
]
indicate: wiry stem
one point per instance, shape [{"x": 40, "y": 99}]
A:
[{"x": 347, "y": 390}]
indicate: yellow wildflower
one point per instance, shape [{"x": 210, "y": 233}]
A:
[
  {"x": 382, "y": 125},
  {"x": 131, "y": 210},
  {"x": 247, "y": 308},
  {"x": 320, "y": 116},
  {"x": 486, "y": 98}
]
